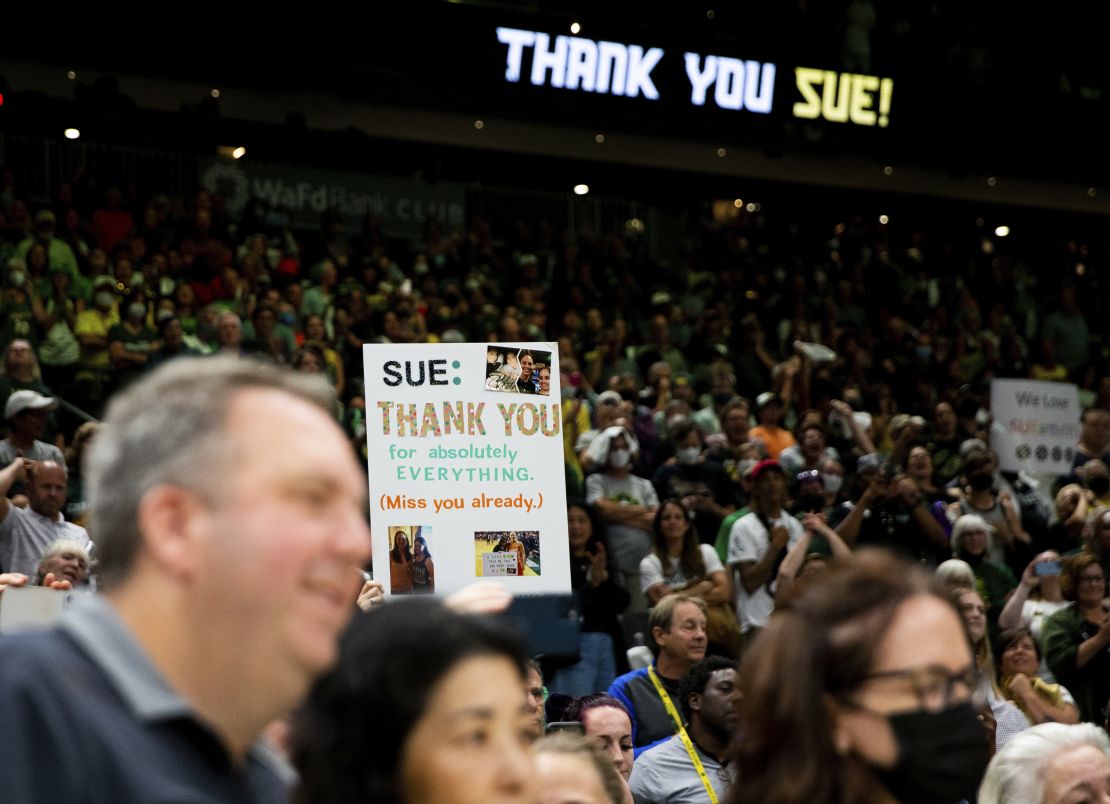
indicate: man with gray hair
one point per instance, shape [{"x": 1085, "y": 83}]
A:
[
  {"x": 1050, "y": 764},
  {"x": 229, "y": 513}
]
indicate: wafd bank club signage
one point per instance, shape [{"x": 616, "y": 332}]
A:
[
  {"x": 465, "y": 458},
  {"x": 1036, "y": 425},
  {"x": 299, "y": 196},
  {"x": 578, "y": 64}
]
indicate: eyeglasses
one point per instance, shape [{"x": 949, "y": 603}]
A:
[
  {"x": 539, "y": 693},
  {"x": 933, "y": 685},
  {"x": 1092, "y": 579}
]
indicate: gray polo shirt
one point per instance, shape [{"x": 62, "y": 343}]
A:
[
  {"x": 664, "y": 774},
  {"x": 25, "y": 535},
  {"x": 86, "y": 716}
]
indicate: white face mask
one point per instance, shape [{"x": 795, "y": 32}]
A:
[
  {"x": 619, "y": 458},
  {"x": 688, "y": 456},
  {"x": 833, "y": 483}
]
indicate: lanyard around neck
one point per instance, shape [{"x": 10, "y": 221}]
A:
[{"x": 668, "y": 704}]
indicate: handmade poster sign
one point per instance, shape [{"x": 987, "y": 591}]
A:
[{"x": 465, "y": 463}]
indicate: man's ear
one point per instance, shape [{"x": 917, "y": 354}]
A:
[
  {"x": 694, "y": 701},
  {"x": 171, "y": 520},
  {"x": 656, "y": 634}
]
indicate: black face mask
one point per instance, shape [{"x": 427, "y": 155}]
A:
[
  {"x": 941, "y": 756},
  {"x": 980, "y": 482},
  {"x": 1099, "y": 485}
]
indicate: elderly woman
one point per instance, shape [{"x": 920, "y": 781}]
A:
[
  {"x": 1076, "y": 639},
  {"x": 1050, "y": 764},
  {"x": 876, "y": 703},
  {"x": 971, "y": 537},
  {"x": 67, "y": 559},
  {"x": 1017, "y": 658}
]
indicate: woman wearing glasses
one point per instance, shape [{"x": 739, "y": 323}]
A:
[
  {"x": 1076, "y": 639},
  {"x": 876, "y": 704}
]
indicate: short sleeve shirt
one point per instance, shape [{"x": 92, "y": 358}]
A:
[{"x": 748, "y": 541}]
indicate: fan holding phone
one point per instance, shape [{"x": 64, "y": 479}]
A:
[{"x": 1037, "y": 596}]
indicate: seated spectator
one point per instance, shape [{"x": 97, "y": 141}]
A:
[
  {"x": 732, "y": 445},
  {"x": 601, "y": 598},
  {"x": 606, "y": 722},
  {"x": 702, "y": 485},
  {"x": 758, "y": 543},
  {"x": 980, "y": 495},
  {"x": 94, "y": 369},
  {"x": 852, "y": 677},
  {"x": 679, "y": 563},
  {"x": 970, "y": 537},
  {"x": 891, "y": 514},
  {"x": 171, "y": 342},
  {"x": 803, "y": 563},
  {"x": 569, "y": 770},
  {"x": 769, "y": 411},
  {"x": 693, "y": 765},
  {"x": 1017, "y": 659},
  {"x": 27, "y": 533},
  {"x": 535, "y": 695},
  {"x": 952, "y": 574},
  {"x": 606, "y": 413},
  {"x": 1076, "y": 639},
  {"x": 1052, "y": 763},
  {"x": 678, "y": 642},
  {"x": 1037, "y": 597},
  {"x": 27, "y": 414},
  {"x": 20, "y": 371},
  {"x": 130, "y": 344},
  {"x": 439, "y": 679},
  {"x": 66, "y": 560},
  {"x": 1008, "y": 719},
  {"x": 625, "y": 502},
  {"x": 809, "y": 452}
]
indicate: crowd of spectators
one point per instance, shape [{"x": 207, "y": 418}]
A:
[{"x": 733, "y": 425}]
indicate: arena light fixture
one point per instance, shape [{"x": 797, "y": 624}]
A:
[
  {"x": 581, "y": 189},
  {"x": 1002, "y": 231},
  {"x": 575, "y": 27},
  {"x": 72, "y": 133}
]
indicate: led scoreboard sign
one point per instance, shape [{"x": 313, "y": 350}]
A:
[{"x": 578, "y": 64}]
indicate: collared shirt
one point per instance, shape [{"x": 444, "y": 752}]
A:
[
  {"x": 664, "y": 774},
  {"x": 86, "y": 716},
  {"x": 26, "y": 534}
]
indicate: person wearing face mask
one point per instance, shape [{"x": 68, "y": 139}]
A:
[
  {"x": 625, "y": 502},
  {"x": 131, "y": 342},
  {"x": 860, "y": 691},
  {"x": 832, "y": 480},
  {"x": 702, "y": 485},
  {"x": 94, "y": 370},
  {"x": 1012, "y": 545}
]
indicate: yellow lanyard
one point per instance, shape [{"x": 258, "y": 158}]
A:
[{"x": 682, "y": 735}]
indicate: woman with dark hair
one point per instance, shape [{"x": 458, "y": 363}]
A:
[
  {"x": 860, "y": 691},
  {"x": 680, "y": 563},
  {"x": 601, "y": 598},
  {"x": 1076, "y": 639},
  {"x": 400, "y": 564},
  {"x": 423, "y": 568},
  {"x": 425, "y": 706},
  {"x": 524, "y": 384},
  {"x": 1018, "y": 659},
  {"x": 607, "y": 724}
]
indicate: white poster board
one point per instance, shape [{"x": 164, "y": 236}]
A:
[
  {"x": 1036, "y": 425},
  {"x": 465, "y": 464}
]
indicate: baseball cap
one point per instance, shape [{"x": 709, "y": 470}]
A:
[
  {"x": 27, "y": 400},
  {"x": 765, "y": 399},
  {"x": 44, "y": 216},
  {"x": 766, "y": 465}
]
